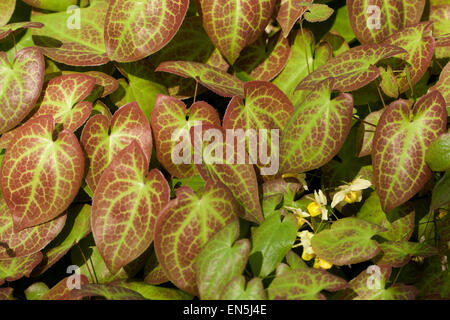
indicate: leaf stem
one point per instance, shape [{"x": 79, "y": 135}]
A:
[
  {"x": 86, "y": 263},
  {"x": 364, "y": 121},
  {"x": 306, "y": 49}
]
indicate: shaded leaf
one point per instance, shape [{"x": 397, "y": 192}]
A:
[
  {"x": 438, "y": 153},
  {"x": 109, "y": 292},
  {"x": 15, "y": 268},
  {"x": 238, "y": 289},
  {"x": 155, "y": 293},
  {"x": 61, "y": 290},
  {"x": 398, "y": 253}
]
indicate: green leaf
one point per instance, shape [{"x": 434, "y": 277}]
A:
[
  {"x": 15, "y": 268},
  {"x": 366, "y": 133},
  {"x": 441, "y": 196},
  {"x": 304, "y": 284},
  {"x": 109, "y": 292},
  {"x": 318, "y": 13},
  {"x": 221, "y": 259},
  {"x": 52, "y": 5},
  {"x": 12, "y": 27},
  {"x": 193, "y": 219},
  {"x": 438, "y": 153},
  {"x": 399, "y": 222},
  {"x": 271, "y": 241},
  {"x": 36, "y": 290},
  {"x": 289, "y": 12},
  {"x": 61, "y": 291},
  {"x": 294, "y": 261},
  {"x": 347, "y": 242},
  {"x": 237, "y": 289},
  {"x": 311, "y": 139},
  {"x": 6, "y": 294},
  {"x": 6, "y": 11},
  {"x": 398, "y": 253},
  {"x": 55, "y": 166},
  {"x": 125, "y": 205},
  {"x": 157, "y": 22},
  {"x": 155, "y": 293},
  {"x": 443, "y": 85},
  {"x": 400, "y": 142}
]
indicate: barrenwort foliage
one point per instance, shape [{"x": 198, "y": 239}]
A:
[{"x": 224, "y": 149}]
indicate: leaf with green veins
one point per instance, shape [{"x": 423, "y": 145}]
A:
[
  {"x": 375, "y": 20},
  {"x": 125, "y": 205},
  {"x": 157, "y": 22},
  {"x": 107, "y": 291},
  {"x": 20, "y": 85},
  {"x": 6, "y": 11},
  {"x": 366, "y": 133},
  {"x": 235, "y": 171},
  {"x": 352, "y": 69},
  {"x": 304, "y": 284},
  {"x": 6, "y": 294},
  {"x": 153, "y": 272},
  {"x": 74, "y": 46},
  {"x": 154, "y": 292},
  {"x": 55, "y": 167},
  {"x": 104, "y": 80},
  {"x": 16, "y": 268},
  {"x": 311, "y": 139},
  {"x": 52, "y": 5},
  {"x": 12, "y": 27},
  {"x": 347, "y": 242},
  {"x": 399, "y": 253},
  {"x": 231, "y": 25},
  {"x": 265, "y": 58},
  {"x": 271, "y": 241},
  {"x": 399, "y": 145},
  {"x": 102, "y": 139},
  {"x": 191, "y": 219},
  {"x": 289, "y": 12},
  {"x": 64, "y": 100},
  {"x": 438, "y": 153},
  {"x": 27, "y": 241},
  {"x": 296, "y": 68},
  {"x": 143, "y": 84},
  {"x": 318, "y": 13},
  {"x": 61, "y": 290},
  {"x": 77, "y": 226},
  {"x": 419, "y": 46},
  {"x": 36, "y": 290},
  {"x": 399, "y": 222},
  {"x": 214, "y": 79},
  {"x": 101, "y": 108},
  {"x": 222, "y": 258},
  {"x": 440, "y": 16},
  {"x": 443, "y": 85},
  {"x": 238, "y": 289},
  {"x": 171, "y": 122},
  {"x": 322, "y": 54},
  {"x": 388, "y": 82},
  {"x": 441, "y": 196}
]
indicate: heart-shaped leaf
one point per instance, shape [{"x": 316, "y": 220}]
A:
[
  {"x": 347, "y": 242},
  {"x": 63, "y": 100},
  {"x": 399, "y": 145},
  {"x": 125, "y": 206},
  {"x": 27, "y": 241},
  {"x": 231, "y": 25},
  {"x": 352, "y": 69},
  {"x": 221, "y": 259},
  {"x": 15, "y": 268},
  {"x": 185, "y": 226},
  {"x": 107, "y": 291},
  {"x": 20, "y": 86},
  {"x": 61, "y": 40},
  {"x": 398, "y": 253},
  {"x": 311, "y": 139},
  {"x": 61, "y": 291},
  {"x": 6, "y": 11},
  {"x": 237, "y": 289},
  {"x": 171, "y": 122},
  {"x": 375, "y": 20},
  {"x": 289, "y": 12},
  {"x": 41, "y": 174},
  {"x": 109, "y": 84},
  {"x": 271, "y": 241},
  {"x": 102, "y": 139},
  {"x": 214, "y": 79},
  {"x": 157, "y": 22},
  {"x": 304, "y": 284},
  {"x": 399, "y": 222}
]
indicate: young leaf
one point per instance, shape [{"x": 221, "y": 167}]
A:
[
  {"x": 154, "y": 292},
  {"x": 27, "y": 241},
  {"x": 63, "y": 100},
  {"x": 6, "y": 294},
  {"x": 6, "y": 11},
  {"x": 9, "y": 28},
  {"x": 441, "y": 196},
  {"x": 289, "y": 12},
  {"x": 443, "y": 85},
  {"x": 171, "y": 122},
  {"x": 214, "y": 79},
  {"x": 231, "y": 25},
  {"x": 15, "y": 268},
  {"x": 185, "y": 226},
  {"x": 125, "y": 206},
  {"x": 221, "y": 259},
  {"x": 109, "y": 84},
  {"x": 398, "y": 253},
  {"x": 366, "y": 133},
  {"x": 109, "y": 292},
  {"x": 61, "y": 290},
  {"x": 399, "y": 145},
  {"x": 318, "y": 12},
  {"x": 311, "y": 139},
  {"x": 347, "y": 242},
  {"x": 36, "y": 290},
  {"x": 352, "y": 69},
  {"x": 271, "y": 241},
  {"x": 438, "y": 153},
  {"x": 52, "y": 5},
  {"x": 20, "y": 84},
  {"x": 237, "y": 289},
  {"x": 54, "y": 171},
  {"x": 102, "y": 139},
  {"x": 304, "y": 284}
]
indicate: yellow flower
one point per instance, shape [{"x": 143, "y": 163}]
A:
[
  {"x": 321, "y": 264},
  {"x": 442, "y": 214},
  {"x": 350, "y": 193},
  {"x": 318, "y": 206},
  {"x": 300, "y": 215},
  {"x": 301, "y": 177},
  {"x": 305, "y": 242}
]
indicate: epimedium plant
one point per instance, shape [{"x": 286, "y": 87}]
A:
[{"x": 132, "y": 136}]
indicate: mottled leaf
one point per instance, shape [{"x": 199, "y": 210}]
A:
[
  {"x": 237, "y": 289},
  {"x": 15, "y": 268},
  {"x": 6, "y": 11},
  {"x": 154, "y": 292},
  {"x": 366, "y": 133},
  {"x": 61, "y": 290},
  {"x": 398, "y": 253},
  {"x": 289, "y": 12},
  {"x": 12, "y": 27},
  {"x": 109, "y": 292}
]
